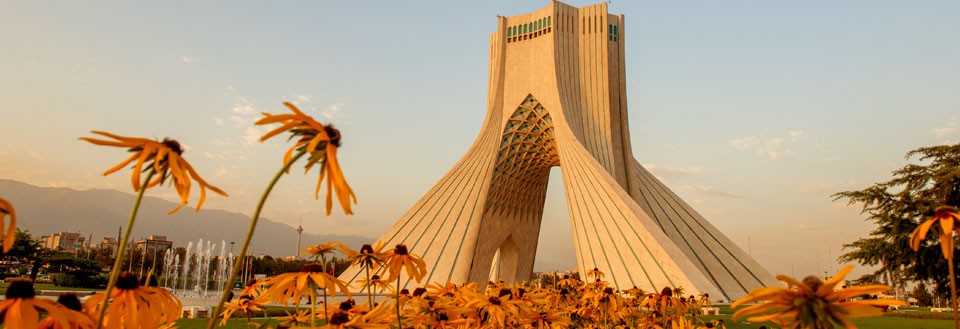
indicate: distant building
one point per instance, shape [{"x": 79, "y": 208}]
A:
[
  {"x": 108, "y": 242},
  {"x": 154, "y": 244},
  {"x": 65, "y": 241}
]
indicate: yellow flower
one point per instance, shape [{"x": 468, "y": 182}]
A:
[
  {"x": 20, "y": 308},
  {"x": 399, "y": 259},
  {"x": 135, "y": 306},
  {"x": 245, "y": 304},
  {"x": 73, "y": 310},
  {"x": 301, "y": 317},
  {"x": 595, "y": 273},
  {"x": 548, "y": 319},
  {"x": 813, "y": 303},
  {"x": 321, "y": 142},
  {"x": 368, "y": 256},
  {"x": 948, "y": 219},
  {"x": 167, "y": 161},
  {"x": 377, "y": 283},
  {"x": 320, "y": 250},
  {"x": 7, "y": 209},
  {"x": 568, "y": 282},
  {"x": 293, "y": 286}
]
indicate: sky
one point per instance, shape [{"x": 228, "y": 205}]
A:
[{"x": 754, "y": 112}]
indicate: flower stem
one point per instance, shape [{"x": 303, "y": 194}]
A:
[
  {"x": 369, "y": 293},
  {"x": 118, "y": 262},
  {"x": 323, "y": 266},
  {"x": 313, "y": 307},
  {"x": 246, "y": 242},
  {"x": 953, "y": 291},
  {"x": 399, "y": 319}
]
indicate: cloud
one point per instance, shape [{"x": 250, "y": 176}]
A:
[
  {"x": 252, "y": 135},
  {"x": 187, "y": 59},
  {"x": 302, "y": 98},
  {"x": 667, "y": 171},
  {"x": 335, "y": 112},
  {"x": 709, "y": 191},
  {"x": 796, "y": 135},
  {"x": 244, "y": 107},
  {"x": 948, "y": 129},
  {"x": 218, "y": 121},
  {"x": 942, "y": 131},
  {"x": 208, "y": 154},
  {"x": 239, "y": 121},
  {"x": 768, "y": 148}
]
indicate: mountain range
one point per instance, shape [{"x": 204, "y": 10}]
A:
[{"x": 100, "y": 212}]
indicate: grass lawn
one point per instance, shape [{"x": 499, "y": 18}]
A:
[{"x": 43, "y": 286}]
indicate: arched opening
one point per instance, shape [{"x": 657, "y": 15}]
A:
[{"x": 505, "y": 262}]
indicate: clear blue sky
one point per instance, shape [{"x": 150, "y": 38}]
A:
[{"x": 755, "y": 112}]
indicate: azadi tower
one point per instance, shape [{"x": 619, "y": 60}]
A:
[{"x": 557, "y": 97}]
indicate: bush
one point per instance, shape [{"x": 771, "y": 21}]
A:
[
  {"x": 79, "y": 279},
  {"x": 5, "y": 276}
]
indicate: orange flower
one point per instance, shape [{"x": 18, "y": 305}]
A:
[
  {"x": 368, "y": 257},
  {"x": 136, "y": 306},
  {"x": 167, "y": 161},
  {"x": 813, "y": 303},
  {"x": 5, "y": 209},
  {"x": 400, "y": 258},
  {"x": 948, "y": 219},
  {"x": 20, "y": 308},
  {"x": 245, "y": 304},
  {"x": 73, "y": 310},
  {"x": 286, "y": 287},
  {"x": 321, "y": 142}
]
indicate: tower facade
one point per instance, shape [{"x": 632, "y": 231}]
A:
[{"x": 557, "y": 97}]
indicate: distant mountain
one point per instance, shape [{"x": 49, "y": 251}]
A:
[{"x": 47, "y": 210}]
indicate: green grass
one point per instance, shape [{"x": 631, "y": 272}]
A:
[{"x": 44, "y": 286}]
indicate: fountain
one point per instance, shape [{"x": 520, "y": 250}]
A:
[{"x": 198, "y": 264}]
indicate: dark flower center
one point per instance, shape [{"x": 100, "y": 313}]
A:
[
  {"x": 70, "y": 301},
  {"x": 566, "y": 276},
  {"x": 504, "y": 292},
  {"x": 20, "y": 289},
  {"x": 347, "y": 305},
  {"x": 666, "y": 291},
  {"x": 442, "y": 317},
  {"x": 374, "y": 277},
  {"x": 813, "y": 282},
  {"x": 173, "y": 145},
  {"x": 608, "y": 290},
  {"x": 312, "y": 268},
  {"x": 339, "y": 318},
  {"x": 520, "y": 292},
  {"x": 334, "y": 134},
  {"x": 404, "y": 291},
  {"x": 128, "y": 281},
  {"x": 401, "y": 249},
  {"x": 596, "y": 269},
  {"x": 251, "y": 282},
  {"x": 366, "y": 249},
  {"x": 419, "y": 291},
  {"x": 494, "y": 300},
  {"x": 564, "y": 291}
]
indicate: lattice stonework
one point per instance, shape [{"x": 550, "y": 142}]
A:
[{"x": 527, "y": 152}]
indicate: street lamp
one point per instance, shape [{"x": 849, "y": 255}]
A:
[{"x": 231, "y": 247}]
